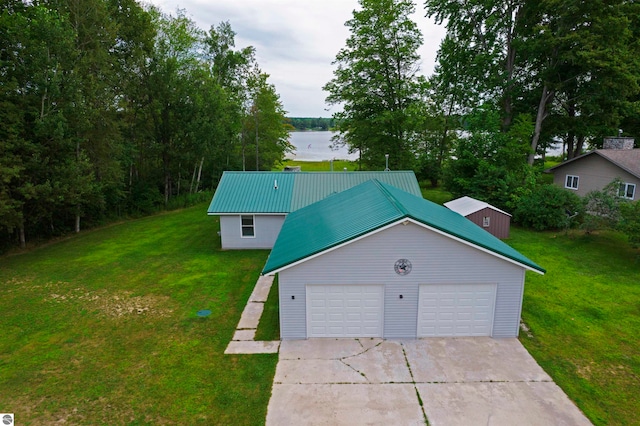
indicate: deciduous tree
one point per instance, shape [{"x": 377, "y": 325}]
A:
[{"x": 377, "y": 84}]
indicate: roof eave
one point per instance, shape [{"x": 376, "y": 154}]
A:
[
  {"x": 278, "y": 268},
  {"x": 274, "y": 270},
  {"x": 597, "y": 151}
]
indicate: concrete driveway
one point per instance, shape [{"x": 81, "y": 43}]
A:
[{"x": 442, "y": 381}]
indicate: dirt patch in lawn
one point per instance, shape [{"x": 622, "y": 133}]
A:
[{"x": 112, "y": 304}]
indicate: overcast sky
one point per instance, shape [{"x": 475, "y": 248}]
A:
[{"x": 295, "y": 41}]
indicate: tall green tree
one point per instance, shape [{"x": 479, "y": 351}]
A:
[
  {"x": 376, "y": 83},
  {"x": 266, "y": 131},
  {"x": 480, "y": 49}
]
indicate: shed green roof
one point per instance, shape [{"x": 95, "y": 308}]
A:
[
  {"x": 365, "y": 208},
  {"x": 284, "y": 192}
]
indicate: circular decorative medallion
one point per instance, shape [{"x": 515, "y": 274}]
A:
[{"x": 402, "y": 267}]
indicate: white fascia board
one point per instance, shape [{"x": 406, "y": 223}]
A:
[
  {"x": 247, "y": 214},
  {"x": 397, "y": 222}
]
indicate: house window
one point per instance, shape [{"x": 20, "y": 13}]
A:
[
  {"x": 571, "y": 182},
  {"x": 627, "y": 190},
  {"x": 248, "y": 228},
  {"x": 486, "y": 221}
]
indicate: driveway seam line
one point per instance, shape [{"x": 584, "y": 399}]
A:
[{"x": 413, "y": 380}]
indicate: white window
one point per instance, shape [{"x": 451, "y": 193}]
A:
[
  {"x": 627, "y": 190},
  {"x": 571, "y": 182},
  {"x": 486, "y": 221},
  {"x": 248, "y": 228}
]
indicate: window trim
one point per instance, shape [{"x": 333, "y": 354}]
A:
[
  {"x": 574, "y": 179},
  {"x": 623, "y": 193},
  {"x": 486, "y": 221},
  {"x": 252, "y": 226}
]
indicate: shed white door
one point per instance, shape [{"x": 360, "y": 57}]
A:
[
  {"x": 456, "y": 310},
  {"x": 344, "y": 310}
]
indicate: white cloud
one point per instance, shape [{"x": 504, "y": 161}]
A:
[{"x": 295, "y": 41}]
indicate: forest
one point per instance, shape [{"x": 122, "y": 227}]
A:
[{"x": 112, "y": 108}]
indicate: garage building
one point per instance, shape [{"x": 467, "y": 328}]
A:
[{"x": 375, "y": 261}]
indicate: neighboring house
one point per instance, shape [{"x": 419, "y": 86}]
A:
[
  {"x": 376, "y": 261},
  {"x": 594, "y": 170},
  {"x": 253, "y": 205},
  {"x": 486, "y": 216}
]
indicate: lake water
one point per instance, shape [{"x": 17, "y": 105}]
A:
[{"x": 315, "y": 146}]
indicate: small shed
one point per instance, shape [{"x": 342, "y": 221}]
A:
[
  {"x": 376, "y": 261},
  {"x": 486, "y": 216}
]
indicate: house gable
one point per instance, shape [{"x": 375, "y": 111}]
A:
[
  {"x": 594, "y": 171},
  {"x": 368, "y": 208}
]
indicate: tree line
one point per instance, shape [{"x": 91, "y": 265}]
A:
[
  {"x": 309, "y": 123},
  {"x": 112, "y": 108}
]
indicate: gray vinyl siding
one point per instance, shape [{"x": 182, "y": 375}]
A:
[
  {"x": 506, "y": 320},
  {"x": 594, "y": 173},
  {"x": 498, "y": 224},
  {"x": 293, "y": 311},
  {"x": 267, "y": 228},
  {"x": 436, "y": 259},
  {"x": 397, "y": 311}
]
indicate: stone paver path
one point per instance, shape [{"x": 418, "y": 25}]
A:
[{"x": 243, "y": 339}]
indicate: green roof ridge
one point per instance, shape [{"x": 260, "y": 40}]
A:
[{"x": 394, "y": 201}]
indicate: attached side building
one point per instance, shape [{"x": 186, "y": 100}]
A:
[
  {"x": 490, "y": 218},
  {"x": 376, "y": 261},
  {"x": 253, "y": 205},
  {"x": 596, "y": 169}
]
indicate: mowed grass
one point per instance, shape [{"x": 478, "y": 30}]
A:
[
  {"x": 584, "y": 316},
  {"x": 437, "y": 195},
  {"x": 102, "y": 328},
  {"x": 320, "y": 166}
]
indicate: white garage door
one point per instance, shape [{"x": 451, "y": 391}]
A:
[
  {"x": 456, "y": 310},
  {"x": 344, "y": 310}
]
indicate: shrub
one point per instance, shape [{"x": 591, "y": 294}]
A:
[
  {"x": 547, "y": 207},
  {"x": 602, "y": 208},
  {"x": 630, "y": 222}
]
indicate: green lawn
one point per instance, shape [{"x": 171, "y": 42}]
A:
[
  {"x": 102, "y": 328},
  {"x": 436, "y": 195},
  {"x": 320, "y": 166},
  {"x": 584, "y": 316}
]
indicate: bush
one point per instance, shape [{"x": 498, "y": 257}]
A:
[
  {"x": 602, "y": 208},
  {"x": 630, "y": 222},
  {"x": 547, "y": 207}
]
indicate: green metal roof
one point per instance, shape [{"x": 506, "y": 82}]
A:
[
  {"x": 255, "y": 192},
  {"x": 362, "y": 209}
]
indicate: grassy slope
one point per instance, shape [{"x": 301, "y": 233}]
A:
[
  {"x": 102, "y": 328},
  {"x": 584, "y": 315}
]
